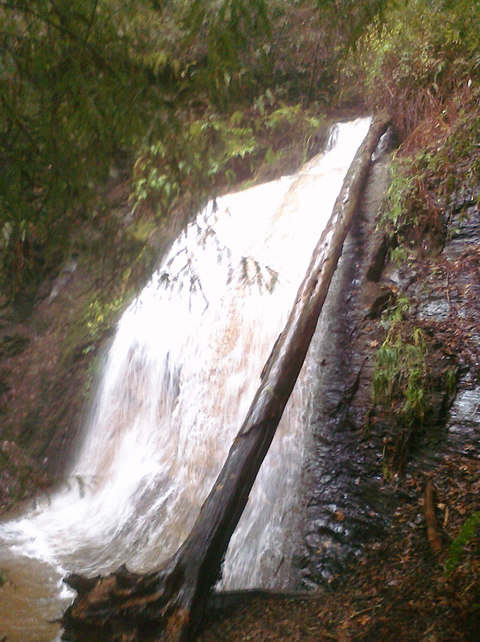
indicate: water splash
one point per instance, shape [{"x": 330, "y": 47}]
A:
[{"x": 179, "y": 378}]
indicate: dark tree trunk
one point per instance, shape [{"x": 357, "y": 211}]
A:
[{"x": 169, "y": 603}]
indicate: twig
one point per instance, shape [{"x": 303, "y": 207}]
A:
[{"x": 368, "y": 608}]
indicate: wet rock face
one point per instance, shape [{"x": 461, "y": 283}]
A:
[
  {"x": 347, "y": 499},
  {"x": 451, "y": 309},
  {"x": 461, "y": 301}
]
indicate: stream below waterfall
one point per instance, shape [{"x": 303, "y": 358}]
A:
[{"x": 176, "y": 384}]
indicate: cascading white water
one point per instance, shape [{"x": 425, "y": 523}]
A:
[{"x": 180, "y": 375}]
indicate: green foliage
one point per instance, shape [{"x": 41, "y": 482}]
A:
[
  {"x": 399, "y": 386},
  {"x": 417, "y": 57},
  {"x": 422, "y": 183},
  {"x": 226, "y": 34},
  {"x": 197, "y": 93},
  {"x": 457, "y": 548},
  {"x": 87, "y": 81},
  {"x": 167, "y": 171},
  {"x": 291, "y": 123},
  {"x": 67, "y": 106},
  {"x": 212, "y": 152},
  {"x": 98, "y": 318},
  {"x": 419, "y": 62},
  {"x": 309, "y": 43},
  {"x": 411, "y": 212},
  {"x": 212, "y": 51},
  {"x": 94, "y": 320},
  {"x": 399, "y": 376},
  {"x": 396, "y": 313}
]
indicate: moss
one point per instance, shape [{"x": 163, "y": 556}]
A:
[{"x": 467, "y": 534}]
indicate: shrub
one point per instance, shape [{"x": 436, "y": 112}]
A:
[
  {"x": 399, "y": 387},
  {"x": 417, "y": 58}
]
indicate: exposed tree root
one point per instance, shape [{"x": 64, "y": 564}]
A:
[{"x": 433, "y": 533}]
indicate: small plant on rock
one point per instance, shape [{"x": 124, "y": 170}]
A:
[{"x": 399, "y": 387}]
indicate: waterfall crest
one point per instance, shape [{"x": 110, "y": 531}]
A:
[{"x": 180, "y": 375}]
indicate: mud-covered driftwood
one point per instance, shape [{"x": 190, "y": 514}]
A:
[{"x": 169, "y": 603}]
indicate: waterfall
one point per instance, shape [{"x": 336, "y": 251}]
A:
[{"x": 178, "y": 379}]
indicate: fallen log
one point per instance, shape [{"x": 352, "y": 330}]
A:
[{"x": 169, "y": 603}]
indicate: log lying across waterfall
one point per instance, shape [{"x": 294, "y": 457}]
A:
[{"x": 169, "y": 603}]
